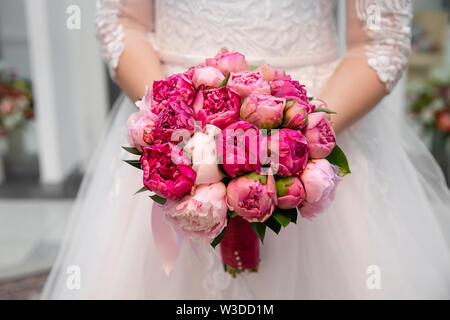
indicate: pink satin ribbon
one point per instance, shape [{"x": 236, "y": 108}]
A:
[{"x": 168, "y": 242}]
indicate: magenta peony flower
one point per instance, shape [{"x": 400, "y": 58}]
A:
[
  {"x": 289, "y": 89},
  {"x": 296, "y": 114},
  {"x": 166, "y": 172},
  {"x": 219, "y": 107},
  {"x": 290, "y": 192},
  {"x": 139, "y": 125},
  {"x": 264, "y": 111},
  {"x": 201, "y": 216},
  {"x": 320, "y": 180},
  {"x": 227, "y": 61},
  {"x": 207, "y": 78},
  {"x": 240, "y": 148},
  {"x": 253, "y": 196},
  {"x": 246, "y": 82},
  {"x": 270, "y": 73},
  {"x": 320, "y": 135},
  {"x": 174, "y": 117},
  {"x": 289, "y": 152},
  {"x": 202, "y": 150},
  {"x": 177, "y": 86}
]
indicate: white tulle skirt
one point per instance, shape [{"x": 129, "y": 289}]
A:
[{"x": 386, "y": 236}]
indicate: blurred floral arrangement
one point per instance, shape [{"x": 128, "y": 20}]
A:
[
  {"x": 430, "y": 102},
  {"x": 16, "y": 103}
]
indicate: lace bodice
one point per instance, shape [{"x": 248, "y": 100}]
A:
[{"x": 285, "y": 33}]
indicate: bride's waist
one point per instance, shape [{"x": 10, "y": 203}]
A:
[
  {"x": 308, "y": 58},
  {"x": 286, "y": 62}
]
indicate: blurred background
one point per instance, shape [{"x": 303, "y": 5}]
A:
[{"x": 55, "y": 95}]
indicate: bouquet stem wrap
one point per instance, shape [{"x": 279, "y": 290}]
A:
[{"x": 239, "y": 247}]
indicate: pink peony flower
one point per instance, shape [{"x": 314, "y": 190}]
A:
[
  {"x": 177, "y": 86},
  {"x": 289, "y": 89},
  {"x": 227, "y": 61},
  {"x": 139, "y": 125},
  {"x": 316, "y": 103},
  {"x": 320, "y": 135},
  {"x": 202, "y": 150},
  {"x": 191, "y": 71},
  {"x": 246, "y": 82},
  {"x": 252, "y": 196},
  {"x": 289, "y": 152},
  {"x": 173, "y": 118},
  {"x": 219, "y": 107},
  {"x": 201, "y": 216},
  {"x": 264, "y": 111},
  {"x": 207, "y": 78},
  {"x": 320, "y": 180},
  {"x": 7, "y": 106},
  {"x": 241, "y": 148},
  {"x": 270, "y": 73},
  {"x": 296, "y": 114},
  {"x": 166, "y": 172},
  {"x": 290, "y": 192}
]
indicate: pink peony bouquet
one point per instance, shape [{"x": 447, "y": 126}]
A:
[{"x": 229, "y": 150}]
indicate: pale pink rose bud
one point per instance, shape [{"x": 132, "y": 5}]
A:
[
  {"x": 290, "y": 192},
  {"x": 252, "y": 196},
  {"x": 202, "y": 150},
  {"x": 227, "y": 61},
  {"x": 139, "y": 125},
  {"x": 320, "y": 135},
  {"x": 246, "y": 82},
  {"x": 207, "y": 78},
  {"x": 201, "y": 216},
  {"x": 296, "y": 114},
  {"x": 270, "y": 73},
  {"x": 320, "y": 180},
  {"x": 264, "y": 111}
]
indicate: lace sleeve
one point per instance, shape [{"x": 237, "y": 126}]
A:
[
  {"x": 118, "y": 22},
  {"x": 382, "y": 30}
]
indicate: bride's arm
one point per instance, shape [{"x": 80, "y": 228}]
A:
[
  {"x": 378, "y": 44},
  {"x": 123, "y": 28}
]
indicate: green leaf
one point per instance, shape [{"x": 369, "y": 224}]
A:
[
  {"x": 260, "y": 230},
  {"x": 134, "y": 163},
  {"x": 253, "y": 67},
  {"x": 225, "y": 81},
  {"x": 233, "y": 214},
  {"x": 285, "y": 216},
  {"x": 326, "y": 110},
  {"x": 282, "y": 219},
  {"x": 219, "y": 238},
  {"x": 256, "y": 176},
  {"x": 310, "y": 98},
  {"x": 158, "y": 199},
  {"x": 273, "y": 224},
  {"x": 143, "y": 189},
  {"x": 338, "y": 158},
  {"x": 132, "y": 150},
  {"x": 294, "y": 217},
  {"x": 282, "y": 186}
]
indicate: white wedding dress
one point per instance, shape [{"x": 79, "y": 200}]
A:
[{"x": 391, "y": 216}]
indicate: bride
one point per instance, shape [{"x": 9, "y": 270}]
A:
[{"x": 386, "y": 236}]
